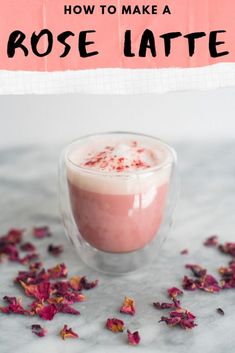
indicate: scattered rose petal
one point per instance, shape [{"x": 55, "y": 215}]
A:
[
  {"x": 162, "y": 306},
  {"x": 209, "y": 284},
  {"x": 174, "y": 292},
  {"x": 75, "y": 283},
  {"x": 59, "y": 271},
  {"x": 14, "y": 236},
  {"x": 14, "y": 306},
  {"x": 68, "y": 298},
  {"x": 35, "y": 266},
  {"x": 228, "y": 248},
  {"x": 41, "y": 232},
  {"x": 133, "y": 337},
  {"x": 115, "y": 325},
  {"x": 128, "y": 307},
  {"x": 189, "y": 284},
  {"x": 80, "y": 283},
  {"x": 67, "y": 309},
  {"x": 228, "y": 276},
  {"x": 61, "y": 287},
  {"x": 55, "y": 250},
  {"x": 170, "y": 321},
  {"x": 197, "y": 270},
  {"x": 10, "y": 251},
  {"x": 211, "y": 241},
  {"x": 68, "y": 333},
  {"x": 26, "y": 259},
  {"x": 181, "y": 317},
  {"x": 38, "y": 330},
  {"x": 202, "y": 280},
  {"x": 47, "y": 312},
  {"x": 29, "y": 247},
  {"x": 8, "y": 245},
  {"x": 39, "y": 291},
  {"x": 88, "y": 285}
]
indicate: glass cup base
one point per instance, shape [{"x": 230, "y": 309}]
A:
[{"x": 113, "y": 263}]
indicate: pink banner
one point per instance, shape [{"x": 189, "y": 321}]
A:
[{"x": 55, "y": 35}]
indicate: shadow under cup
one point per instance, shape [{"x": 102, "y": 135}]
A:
[{"x": 117, "y": 221}]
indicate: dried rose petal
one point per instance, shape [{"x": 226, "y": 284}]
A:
[
  {"x": 180, "y": 317},
  {"x": 220, "y": 311},
  {"x": 88, "y": 285},
  {"x": 67, "y": 309},
  {"x": 174, "y": 292},
  {"x": 226, "y": 271},
  {"x": 47, "y": 312},
  {"x": 228, "y": 276},
  {"x": 182, "y": 313},
  {"x": 73, "y": 297},
  {"x": 35, "y": 266},
  {"x": 14, "y": 236},
  {"x": 211, "y": 241},
  {"x": 209, "y": 284},
  {"x": 59, "y": 271},
  {"x": 115, "y": 325},
  {"x": 133, "y": 337},
  {"x": 170, "y": 321},
  {"x": 11, "y": 251},
  {"x": 25, "y": 276},
  {"x": 162, "y": 306},
  {"x": 40, "y": 291},
  {"x": 189, "y": 284},
  {"x": 80, "y": 283},
  {"x": 27, "y": 247},
  {"x": 26, "y": 259},
  {"x": 61, "y": 287},
  {"x": 55, "y": 250},
  {"x": 68, "y": 298},
  {"x": 184, "y": 252},
  {"x": 75, "y": 283},
  {"x": 197, "y": 270},
  {"x": 32, "y": 277},
  {"x": 128, "y": 307},
  {"x": 232, "y": 264},
  {"x": 38, "y": 330},
  {"x": 203, "y": 280},
  {"x": 187, "y": 324},
  {"x": 14, "y": 306},
  {"x": 68, "y": 333},
  {"x": 41, "y": 232},
  {"x": 228, "y": 248}
]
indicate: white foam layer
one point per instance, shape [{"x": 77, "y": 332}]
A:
[{"x": 153, "y": 167}]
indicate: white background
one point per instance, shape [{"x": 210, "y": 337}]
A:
[{"x": 173, "y": 117}]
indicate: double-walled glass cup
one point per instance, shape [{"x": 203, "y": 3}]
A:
[{"x": 117, "y": 221}]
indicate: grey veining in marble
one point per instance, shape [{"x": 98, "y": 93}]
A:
[{"x": 206, "y": 206}]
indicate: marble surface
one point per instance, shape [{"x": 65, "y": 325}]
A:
[{"x": 206, "y": 206}]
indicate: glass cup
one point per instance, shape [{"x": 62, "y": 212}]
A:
[{"x": 117, "y": 221}]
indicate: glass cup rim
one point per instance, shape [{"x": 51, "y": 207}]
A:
[{"x": 172, "y": 157}]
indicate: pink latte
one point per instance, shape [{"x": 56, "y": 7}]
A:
[{"x": 118, "y": 188}]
